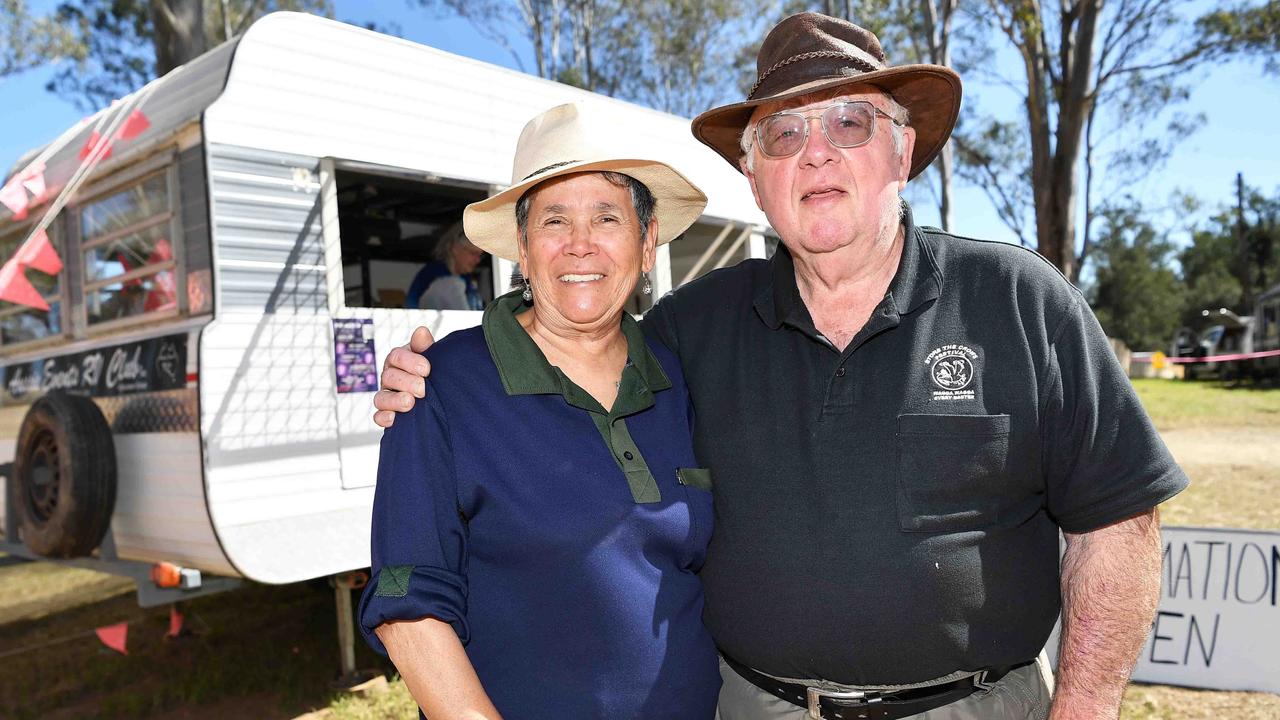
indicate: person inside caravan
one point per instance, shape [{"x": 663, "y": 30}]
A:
[
  {"x": 539, "y": 518},
  {"x": 446, "y": 283}
]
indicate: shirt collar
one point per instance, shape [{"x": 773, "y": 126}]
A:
[
  {"x": 917, "y": 281},
  {"x": 524, "y": 370}
]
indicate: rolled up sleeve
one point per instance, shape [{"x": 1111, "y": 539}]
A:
[{"x": 419, "y": 544}]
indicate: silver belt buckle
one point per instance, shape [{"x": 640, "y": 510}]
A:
[{"x": 814, "y": 696}]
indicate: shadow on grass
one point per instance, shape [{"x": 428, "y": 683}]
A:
[{"x": 258, "y": 652}]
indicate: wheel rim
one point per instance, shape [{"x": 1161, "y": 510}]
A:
[{"x": 44, "y": 478}]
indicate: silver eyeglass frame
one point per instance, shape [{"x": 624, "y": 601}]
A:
[{"x": 819, "y": 113}]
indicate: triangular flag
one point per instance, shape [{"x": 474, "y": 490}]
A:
[
  {"x": 175, "y": 622},
  {"x": 15, "y": 287},
  {"x": 38, "y": 252},
  {"x": 33, "y": 180},
  {"x": 15, "y": 198},
  {"x": 115, "y": 637},
  {"x": 135, "y": 125},
  {"x": 91, "y": 143}
]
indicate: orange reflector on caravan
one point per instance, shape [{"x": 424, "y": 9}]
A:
[{"x": 166, "y": 575}]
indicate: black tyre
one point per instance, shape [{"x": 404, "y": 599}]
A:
[{"x": 65, "y": 469}]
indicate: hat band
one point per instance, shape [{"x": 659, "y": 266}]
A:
[
  {"x": 547, "y": 169},
  {"x": 832, "y": 70}
]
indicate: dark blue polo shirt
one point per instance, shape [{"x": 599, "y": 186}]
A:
[
  {"x": 561, "y": 541},
  {"x": 888, "y": 513}
]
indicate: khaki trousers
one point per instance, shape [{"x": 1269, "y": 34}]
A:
[{"x": 1023, "y": 694}]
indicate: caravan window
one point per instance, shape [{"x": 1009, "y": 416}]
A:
[
  {"x": 129, "y": 263},
  {"x": 707, "y": 246},
  {"x": 19, "y": 323},
  {"x": 391, "y": 223}
]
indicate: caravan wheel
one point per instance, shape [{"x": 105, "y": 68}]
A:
[{"x": 65, "y": 468}]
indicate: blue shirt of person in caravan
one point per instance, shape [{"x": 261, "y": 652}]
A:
[{"x": 446, "y": 283}]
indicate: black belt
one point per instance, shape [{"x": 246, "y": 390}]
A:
[{"x": 870, "y": 705}]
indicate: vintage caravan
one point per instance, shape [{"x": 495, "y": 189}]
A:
[{"x": 235, "y": 240}]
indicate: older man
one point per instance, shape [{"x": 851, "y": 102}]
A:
[{"x": 899, "y": 422}]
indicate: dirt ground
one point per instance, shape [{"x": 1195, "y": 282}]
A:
[{"x": 1234, "y": 475}]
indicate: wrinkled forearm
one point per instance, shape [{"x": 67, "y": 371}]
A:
[
  {"x": 1110, "y": 587},
  {"x": 436, "y": 669}
]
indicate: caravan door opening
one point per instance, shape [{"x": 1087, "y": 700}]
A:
[{"x": 391, "y": 226}]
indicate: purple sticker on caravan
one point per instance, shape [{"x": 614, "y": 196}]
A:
[{"x": 353, "y": 355}]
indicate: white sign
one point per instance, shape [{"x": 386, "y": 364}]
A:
[{"x": 1218, "y": 624}]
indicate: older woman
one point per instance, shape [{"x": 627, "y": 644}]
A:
[{"x": 539, "y": 516}]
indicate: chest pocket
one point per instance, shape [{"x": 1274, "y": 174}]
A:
[{"x": 952, "y": 471}]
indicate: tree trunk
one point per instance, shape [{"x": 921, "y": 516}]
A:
[
  {"x": 1055, "y": 147},
  {"x": 937, "y": 26},
  {"x": 179, "y": 32}
]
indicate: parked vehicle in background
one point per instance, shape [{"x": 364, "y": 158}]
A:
[{"x": 1256, "y": 336}]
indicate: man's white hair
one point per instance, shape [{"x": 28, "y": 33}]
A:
[{"x": 899, "y": 113}]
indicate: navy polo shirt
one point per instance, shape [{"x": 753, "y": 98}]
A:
[
  {"x": 888, "y": 513},
  {"x": 561, "y": 541}
]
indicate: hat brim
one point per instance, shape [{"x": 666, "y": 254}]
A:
[
  {"x": 491, "y": 223},
  {"x": 930, "y": 93}
]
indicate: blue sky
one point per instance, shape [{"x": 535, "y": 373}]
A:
[{"x": 1239, "y": 103}]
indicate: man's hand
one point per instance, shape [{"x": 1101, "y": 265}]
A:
[
  {"x": 1110, "y": 588},
  {"x": 403, "y": 378}
]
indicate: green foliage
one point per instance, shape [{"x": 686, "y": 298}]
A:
[
  {"x": 27, "y": 41},
  {"x": 1233, "y": 259},
  {"x": 1135, "y": 294},
  {"x": 678, "y": 53},
  {"x": 1251, "y": 31},
  {"x": 673, "y": 55},
  {"x": 116, "y": 51}
]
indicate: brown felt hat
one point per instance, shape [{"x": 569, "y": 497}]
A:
[{"x": 809, "y": 53}]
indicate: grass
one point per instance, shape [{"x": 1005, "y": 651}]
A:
[
  {"x": 270, "y": 652},
  {"x": 1184, "y": 404},
  {"x": 393, "y": 702},
  {"x": 271, "y": 649},
  {"x": 36, "y": 590}
]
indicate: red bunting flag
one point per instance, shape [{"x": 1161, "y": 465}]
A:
[
  {"x": 115, "y": 637},
  {"x": 136, "y": 124},
  {"x": 14, "y": 197},
  {"x": 33, "y": 180},
  {"x": 94, "y": 139},
  {"x": 38, "y": 252},
  {"x": 15, "y": 287},
  {"x": 175, "y": 622}
]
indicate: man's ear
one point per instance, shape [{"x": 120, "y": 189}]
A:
[
  {"x": 751, "y": 180},
  {"x": 908, "y": 149}
]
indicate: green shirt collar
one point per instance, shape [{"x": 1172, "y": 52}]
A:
[{"x": 525, "y": 371}]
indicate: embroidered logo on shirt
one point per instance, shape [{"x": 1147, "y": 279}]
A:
[{"x": 951, "y": 367}]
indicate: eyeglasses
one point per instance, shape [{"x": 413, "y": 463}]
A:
[{"x": 845, "y": 124}]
